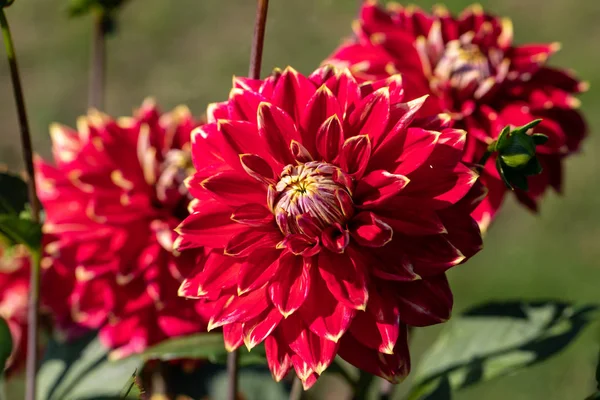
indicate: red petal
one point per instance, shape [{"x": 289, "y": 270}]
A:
[
  {"x": 257, "y": 330},
  {"x": 345, "y": 89},
  {"x": 324, "y": 314},
  {"x": 425, "y": 302},
  {"x": 379, "y": 326},
  {"x": 232, "y": 336},
  {"x": 393, "y": 367},
  {"x": 278, "y": 130},
  {"x": 243, "y": 104},
  {"x": 369, "y": 231},
  {"x": 292, "y": 93},
  {"x": 371, "y": 116},
  {"x": 316, "y": 352},
  {"x": 257, "y": 168},
  {"x": 230, "y": 309},
  {"x": 252, "y": 239},
  {"x": 320, "y": 108},
  {"x": 278, "y": 357},
  {"x": 329, "y": 138},
  {"x": 211, "y": 227},
  {"x": 299, "y": 244},
  {"x": 377, "y": 187},
  {"x": 234, "y": 189},
  {"x": 335, "y": 238},
  {"x": 219, "y": 272},
  {"x": 289, "y": 289},
  {"x": 257, "y": 270},
  {"x": 355, "y": 155},
  {"x": 253, "y": 215},
  {"x": 345, "y": 278}
]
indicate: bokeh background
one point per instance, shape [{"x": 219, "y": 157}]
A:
[{"x": 186, "y": 51}]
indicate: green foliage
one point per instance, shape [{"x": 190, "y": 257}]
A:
[
  {"x": 493, "y": 340},
  {"x": 596, "y": 396},
  {"x": 81, "y": 370},
  {"x": 132, "y": 389},
  {"x": 16, "y": 226},
  {"x": 201, "y": 346},
  {"x": 517, "y": 155},
  {"x": 5, "y": 343},
  {"x": 13, "y": 194}
]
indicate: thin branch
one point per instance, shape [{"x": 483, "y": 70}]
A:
[
  {"x": 296, "y": 392},
  {"x": 34, "y": 290},
  {"x": 232, "y": 373},
  {"x": 98, "y": 62},
  {"x": 259, "y": 39}
]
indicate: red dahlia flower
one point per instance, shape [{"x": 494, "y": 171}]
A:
[
  {"x": 14, "y": 287},
  {"x": 111, "y": 202},
  {"x": 473, "y": 71},
  {"x": 329, "y": 215}
]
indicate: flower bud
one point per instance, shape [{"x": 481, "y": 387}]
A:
[{"x": 516, "y": 155}]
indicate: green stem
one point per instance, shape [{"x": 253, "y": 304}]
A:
[
  {"x": 362, "y": 386},
  {"x": 233, "y": 366},
  {"x": 486, "y": 156},
  {"x": 34, "y": 289},
  {"x": 296, "y": 392}
]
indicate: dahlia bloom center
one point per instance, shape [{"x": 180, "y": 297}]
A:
[
  {"x": 462, "y": 64},
  {"x": 315, "y": 188},
  {"x": 176, "y": 167}
]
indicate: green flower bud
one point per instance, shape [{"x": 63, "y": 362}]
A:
[{"x": 516, "y": 155}]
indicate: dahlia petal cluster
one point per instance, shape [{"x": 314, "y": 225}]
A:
[
  {"x": 112, "y": 200},
  {"x": 328, "y": 214},
  {"x": 14, "y": 288},
  {"x": 473, "y": 71}
]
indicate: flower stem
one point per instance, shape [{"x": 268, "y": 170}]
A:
[
  {"x": 98, "y": 62},
  {"x": 491, "y": 149},
  {"x": 33, "y": 303},
  {"x": 296, "y": 392},
  {"x": 259, "y": 39},
  {"x": 233, "y": 365}
]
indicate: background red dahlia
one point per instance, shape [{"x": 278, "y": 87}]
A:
[
  {"x": 474, "y": 72},
  {"x": 111, "y": 201}
]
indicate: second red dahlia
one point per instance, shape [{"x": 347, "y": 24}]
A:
[
  {"x": 328, "y": 216},
  {"x": 473, "y": 71}
]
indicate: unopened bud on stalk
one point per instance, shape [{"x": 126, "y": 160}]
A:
[{"x": 516, "y": 154}]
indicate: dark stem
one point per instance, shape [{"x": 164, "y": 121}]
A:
[
  {"x": 33, "y": 303},
  {"x": 233, "y": 365},
  {"x": 259, "y": 39},
  {"x": 363, "y": 385},
  {"x": 296, "y": 392},
  {"x": 486, "y": 156},
  {"x": 98, "y": 62}
]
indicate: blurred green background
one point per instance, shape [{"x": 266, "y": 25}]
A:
[{"x": 186, "y": 51}]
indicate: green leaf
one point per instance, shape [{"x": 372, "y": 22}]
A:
[
  {"x": 496, "y": 339},
  {"x": 18, "y": 230},
  {"x": 201, "y": 346},
  {"x": 539, "y": 139},
  {"x": 5, "y": 343},
  {"x": 13, "y": 194},
  {"x": 528, "y": 126},
  {"x": 132, "y": 389},
  {"x": 81, "y": 370}
]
